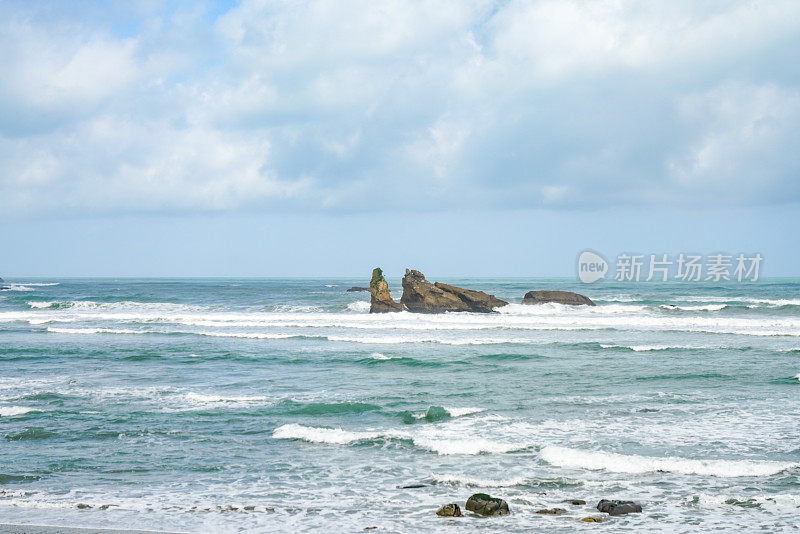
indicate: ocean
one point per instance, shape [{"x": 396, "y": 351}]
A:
[{"x": 223, "y": 405}]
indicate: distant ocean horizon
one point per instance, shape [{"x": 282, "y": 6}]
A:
[{"x": 282, "y": 404}]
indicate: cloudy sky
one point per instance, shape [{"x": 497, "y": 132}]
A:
[{"x": 272, "y": 138}]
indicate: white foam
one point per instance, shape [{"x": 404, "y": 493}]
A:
[
  {"x": 292, "y": 308},
  {"x": 17, "y": 287},
  {"x": 453, "y": 412},
  {"x": 335, "y": 436},
  {"x": 95, "y": 331},
  {"x": 425, "y": 440},
  {"x": 379, "y": 356},
  {"x": 620, "y": 463},
  {"x": 460, "y": 412},
  {"x": 769, "y": 302},
  {"x": 12, "y": 411},
  {"x": 162, "y": 308},
  {"x": 797, "y": 376},
  {"x": 470, "y": 446},
  {"x": 646, "y": 348},
  {"x": 779, "y": 500},
  {"x": 708, "y": 307},
  {"x": 249, "y": 335},
  {"x": 478, "y": 482},
  {"x": 203, "y": 399},
  {"x": 360, "y": 306}
]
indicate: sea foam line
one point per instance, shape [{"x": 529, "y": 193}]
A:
[
  {"x": 13, "y": 411},
  {"x": 621, "y": 463},
  {"x": 437, "y": 444}
]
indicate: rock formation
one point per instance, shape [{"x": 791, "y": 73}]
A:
[
  {"x": 421, "y": 296},
  {"x": 483, "y": 504},
  {"x": 478, "y": 301},
  {"x": 552, "y": 511},
  {"x": 450, "y": 510},
  {"x": 381, "y": 301},
  {"x": 619, "y": 507},
  {"x": 357, "y": 288},
  {"x": 559, "y": 297}
]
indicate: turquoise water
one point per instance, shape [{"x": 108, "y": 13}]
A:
[{"x": 282, "y": 405}]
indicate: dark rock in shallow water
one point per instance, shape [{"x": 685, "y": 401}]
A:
[
  {"x": 559, "y": 297},
  {"x": 421, "y": 296},
  {"x": 483, "y": 504},
  {"x": 381, "y": 301},
  {"x": 592, "y": 519},
  {"x": 356, "y": 288},
  {"x": 619, "y": 507},
  {"x": 450, "y": 510},
  {"x": 552, "y": 511},
  {"x": 575, "y": 502}
]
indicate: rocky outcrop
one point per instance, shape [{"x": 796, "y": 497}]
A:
[
  {"x": 619, "y": 507},
  {"x": 483, "y": 504},
  {"x": 381, "y": 301},
  {"x": 592, "y": 519},
  {"x": 575, "y": 502},
  {"x": 420, "y": 296},
  {"x": 478, "y": 301},
  {"x": 357, "y": 288},
  {"x": 450, "y": 510},
  {"x": 552, "y": 511},
  {"x": 559, "y": 297}
]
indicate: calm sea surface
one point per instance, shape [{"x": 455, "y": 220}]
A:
[{"x": 283, "y": 405}]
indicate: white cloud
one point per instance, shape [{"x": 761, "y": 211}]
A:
[
  {"x": 745, "y": 142},
  {"x": 398, "y": 105}
]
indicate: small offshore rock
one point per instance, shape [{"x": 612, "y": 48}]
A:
[
  {"x": 575, "y": 502},
  {"x": 380, "y": 299},
  {"x": 414, "y": 486},
  {"x": 357, "y": 288},
  {"x": 484, "y": 504},
  {"x": 450, "y": 510},
  {"x": 619, "y": 507},
  {"x": 552, "y": 511},
  {"x": 592, "y": 519},
  {"x": 559, "y": 297},
  {"x": 82, "y": 506}
]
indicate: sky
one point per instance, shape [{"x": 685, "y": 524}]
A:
[{"x": 462, "y": 138}]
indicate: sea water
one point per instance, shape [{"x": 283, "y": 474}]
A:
[{"x": 283, "y": 405}]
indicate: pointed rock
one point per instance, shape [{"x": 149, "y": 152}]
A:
[{"x": 381, "y": 301}]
